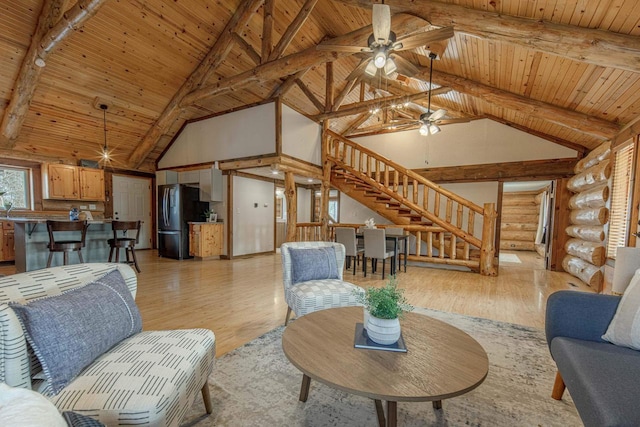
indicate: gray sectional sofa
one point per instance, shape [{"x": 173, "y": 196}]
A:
[{"x": 603, "y": 379}]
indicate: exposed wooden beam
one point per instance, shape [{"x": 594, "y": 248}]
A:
[
  {"x": 579, "y": 148},
  {"x": 50, "y": 31},
  {"x": 281, "y": 90},
  {"x": 205, "y": 69},
  {"x": 310, "y": 95},
  {"x": 292, "y": 29},
  {"x": 295, "y": 62},
  {"x": 267, "y": 30},
  {"x": 356, "y": 123},
  {"x": 629, "y": 131},
  {"x": 573, "y": 120},
  {"x": 247, "y": 48},
  {"x": 361, "y": 107},
  {"x": 507, "y": 171},
  {"x": 577, "y": 43},
  {"x": 328, "y": 98},
  {"x": 337, "y": 102}
]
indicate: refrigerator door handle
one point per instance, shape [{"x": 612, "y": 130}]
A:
[{"x": 165, "y": 206}]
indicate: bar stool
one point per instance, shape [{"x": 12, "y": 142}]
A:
[
  {"x": 66, "y": 246},
  {"x": 128, "y": 243}
]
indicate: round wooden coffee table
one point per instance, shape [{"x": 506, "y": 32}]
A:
[{"x": 442, "y": 361}]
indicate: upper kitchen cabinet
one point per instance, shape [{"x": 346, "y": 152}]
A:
[
  {"x": 210, "y": 185},
  {"x": 67, "y": 182}
]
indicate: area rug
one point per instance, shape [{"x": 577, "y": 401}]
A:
[
  {"x": 255, "y": 385},
  {"x": 512, "y": 258}
]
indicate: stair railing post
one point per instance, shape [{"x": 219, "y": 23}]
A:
[
  {"x": 326, "y": 182},
  {"x": 488, "y": 250}
]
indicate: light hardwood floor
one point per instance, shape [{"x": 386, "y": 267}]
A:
[{"x": 243, "y": 298}]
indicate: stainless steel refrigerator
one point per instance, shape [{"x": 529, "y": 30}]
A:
[{"x": 177, "y": 205}]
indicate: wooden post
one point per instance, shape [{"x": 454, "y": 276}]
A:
[
  {"x": 292, "y": 206},
  {"x": 326, "y": 183},
  {"x": 229, "y": 219},
  {"x": 487, "y": 251}
]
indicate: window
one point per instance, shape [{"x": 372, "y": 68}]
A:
[
  {"x": 334, "y": 206},
  {"x": 621, "y": 193},
  {"x": 15, "y": 183}
]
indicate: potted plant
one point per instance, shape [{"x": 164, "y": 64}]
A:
[{"x": 384, "y": 307}]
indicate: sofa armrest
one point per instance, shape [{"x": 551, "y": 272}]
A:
[{"x": 579, "y": 315}]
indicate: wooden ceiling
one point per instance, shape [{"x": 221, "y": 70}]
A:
[{"x": 568, "y": 71}]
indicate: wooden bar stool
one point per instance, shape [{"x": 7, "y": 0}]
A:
[
  {"x": 66, "y": 246},
  {"x": 128, "y": 243}
]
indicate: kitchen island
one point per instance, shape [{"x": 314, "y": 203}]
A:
[{"x": 32, "y": 239}]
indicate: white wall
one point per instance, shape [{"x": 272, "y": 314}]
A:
[
  {"x": 300, "y": 136},
  {"x": 352, "y": 212},
  {"x": 477, "y": 142},
  {"x": 248, "y": 132},
  {"x": 253, "y": 227},
  {"x": 304, "y": 205}
]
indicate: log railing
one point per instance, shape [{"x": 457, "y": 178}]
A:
[{"x": 446, "y": 211}]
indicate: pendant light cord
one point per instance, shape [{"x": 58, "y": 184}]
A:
[{"x": 430, "y": 85}]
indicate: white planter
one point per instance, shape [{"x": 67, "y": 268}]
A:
[
  {"x": 383, "y": 331},
  {"x": 366, "y": 317}
]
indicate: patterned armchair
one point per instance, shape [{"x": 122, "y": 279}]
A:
[
  {"x": 149, "y": 378},
  {"x": 312, "y": 281}
]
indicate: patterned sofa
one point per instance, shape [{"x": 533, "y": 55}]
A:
[
  {"x": 149, "y": 378},
  {"x": 320, "y": 286}
]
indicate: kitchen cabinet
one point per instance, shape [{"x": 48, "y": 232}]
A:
[
  {"x": 211, "y": 185},
  {"x": 68, "y": 182},
  {"x": 189, "y": 177},
  {"x": 205, "y": 239},
  {"x": 166, "y": 177},
  {"x": 7, "y": 248}
]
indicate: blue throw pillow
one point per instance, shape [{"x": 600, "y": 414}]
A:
[
  {"x": 69, "y": 331},
  {"x": 313, "y": 264}
]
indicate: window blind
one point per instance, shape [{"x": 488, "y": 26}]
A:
[{"x": 620, "y": 199}]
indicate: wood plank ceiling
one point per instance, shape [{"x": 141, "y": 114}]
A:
[{"x": 136, "y": 55}]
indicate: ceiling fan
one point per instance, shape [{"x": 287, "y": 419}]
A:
[
  {"x": 429, "y": 119},
  {"x": 383, "y": 42}
]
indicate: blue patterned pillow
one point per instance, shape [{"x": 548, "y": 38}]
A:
[
  {"x": 69, "y": 331},
  {"x": 313, "y": 264}
]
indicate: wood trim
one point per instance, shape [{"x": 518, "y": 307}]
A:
[
  {"x": 505, "y": 171},
  {"x": 249, "y": 162}
]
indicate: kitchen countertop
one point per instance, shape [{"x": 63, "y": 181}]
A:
[
  {"x": 205, "y": 222},
  {"x": 44, "y": 220}
]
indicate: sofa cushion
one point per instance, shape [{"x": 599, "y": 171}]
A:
[
  {"x": 314, "y": 295},
  {"x": 602, "y": 378},
  {"x": 624, "y": 328},
  {"x": 313, "y": 264},
  {"x": 68, "y": 331}
]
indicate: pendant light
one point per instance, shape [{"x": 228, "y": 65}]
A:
[
  {"x": 105, "y": 150},
  {"x": 429, "y": 118}
]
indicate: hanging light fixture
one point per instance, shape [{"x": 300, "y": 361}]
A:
[
  {"x": 105, "y": 150},
  {"x": 429, "y": 118}
]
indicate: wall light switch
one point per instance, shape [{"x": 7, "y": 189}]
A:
[
  {"x": 255, "y": 205},
  {"x": 83, "y": 207}
]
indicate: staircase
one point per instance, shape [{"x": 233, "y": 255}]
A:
[{"x": 448, "y": 229}]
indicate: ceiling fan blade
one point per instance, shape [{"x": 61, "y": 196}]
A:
[
  {"x": 342, "y": 48},
  {"x": 381, "y": 23},
  {"x": 423, "y": 39},
  {"x": 404, "y": 66},
  {"x": 437, "y": 115}
]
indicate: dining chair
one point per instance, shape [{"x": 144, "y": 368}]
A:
[
  {"x": 402, "y": 250},
  {"x": 65, "y": 245},
  {"x": 375, "y": 248},
  {"x": 125, "y": 242},
  {"x": 347, "y": 236}
]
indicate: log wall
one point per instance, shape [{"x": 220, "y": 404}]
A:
[
  {"x": 519, "y": 221},
  {"x": 586, "y": 253}
]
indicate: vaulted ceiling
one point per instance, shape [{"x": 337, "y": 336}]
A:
[{"x": 566, "y": 71}]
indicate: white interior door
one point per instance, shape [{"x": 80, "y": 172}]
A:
[{"x": 132, "y": 202}]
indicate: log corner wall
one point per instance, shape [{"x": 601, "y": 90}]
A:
[{"x": 586, "y": 252}]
